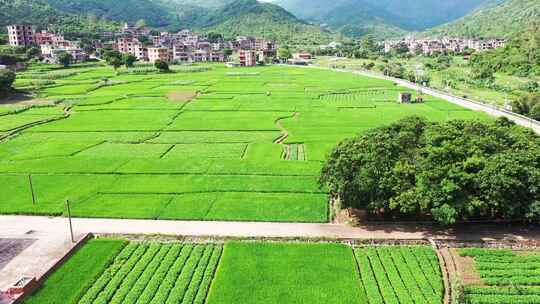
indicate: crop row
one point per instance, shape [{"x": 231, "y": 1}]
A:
[
  {"x": 502, "y": 299},
  {"x": 519, "y": 290},
  {"x": 156, "y": 273},
  {"x": 486, "y": 266},
  {"x": 516, "y": 277},
  {"x": 399, "y": 275}
]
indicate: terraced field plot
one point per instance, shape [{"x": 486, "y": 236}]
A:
[
  {"x": 244, "y": 272},
  {"x": 248, "y": 147},
  {"x": 506, "y": 276}
]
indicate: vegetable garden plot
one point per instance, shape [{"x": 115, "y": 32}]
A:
[
  {"x": 294, "y": 152},
  {"x": 512, "y": 276},
  {"x": 399, "y": 274},
  {"x": 156, "y": 273}
]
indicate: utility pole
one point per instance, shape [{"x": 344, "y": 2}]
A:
[
  {"x": 32, "y": 189},
  {"x": 70, "y": 223}
]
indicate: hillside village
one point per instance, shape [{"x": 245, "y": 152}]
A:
[
  {"x": 148, "y": 46},
  {"x": 430, "y": 46}
]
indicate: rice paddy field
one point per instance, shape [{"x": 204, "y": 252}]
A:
[
  {"x": 506, "y": 276},
  {"x": 201, "y": 143},
  {"x": 244, "y": 272}
]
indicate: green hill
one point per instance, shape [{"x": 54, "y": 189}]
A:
[
  {"x": 229, "y": 17},
  {"x": 249, "y": 17},
  {"x": 383, "y": 18},
  {"x": 496, "y": 18},
  {"x": 43, "y": 15}
]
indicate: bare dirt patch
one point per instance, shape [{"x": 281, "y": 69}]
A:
[
  {"x": 466, "y": 269},
  {"x": 19, "y": 99},
  {"x": 182, "y": 96}
]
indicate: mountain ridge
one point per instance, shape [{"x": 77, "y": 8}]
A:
[{"x": 496, "y": 18}]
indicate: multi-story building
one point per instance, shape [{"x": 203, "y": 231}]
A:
[
  {"x": 133, "y": 31},
  {"x": 51, "y": 52},
  {"x": 21, "y": 35},
  {"x": 247, "y": 58},
  {"x": 430, "y": 46},
  {"x": 244, "y": 43},
  {"x": 132, "y": 46},
  {"x": 159, "y": 53},
  {"x": 182, "y": 53}
]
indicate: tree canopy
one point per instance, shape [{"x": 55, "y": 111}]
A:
[
  {"x": 7, "y": 78},
  {"x": 446, "y": 171}
]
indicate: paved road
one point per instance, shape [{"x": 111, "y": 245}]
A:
[{"x": 57, "y": 225}]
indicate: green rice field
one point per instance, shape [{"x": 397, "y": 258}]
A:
[
  {"x": 244, "y": 272},
  {"x": 248, "y": 147}
]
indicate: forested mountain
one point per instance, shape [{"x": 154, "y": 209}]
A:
[
  {"x": 229, "y": 17},
  {"x": 381, "y": 17},
  {"x": 496, "y": 18},
  {"x": 44, "y": 15}
]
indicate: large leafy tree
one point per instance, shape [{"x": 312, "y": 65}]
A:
[
  {"x": 449, "y": 171},
  {"x": 65, "y": 59},
  {"x": 113, "y": 58},
  {"x": 7, "y": 78}
]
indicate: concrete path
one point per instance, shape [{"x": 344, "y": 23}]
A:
[{"x": 52, "y": 239}]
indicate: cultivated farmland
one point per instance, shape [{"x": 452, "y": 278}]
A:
[
  {"x": 244, "y": 272},
  {"x": 506, "y": 276},
  {"x": 246, "y": 145}
]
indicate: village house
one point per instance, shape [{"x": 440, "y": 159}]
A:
[
  {"x": 429, "y": 46},
  {"x": 247, "y": 58},
  {"x": 133, "y": 31},
  {"x": 132, "y": 46},
  {"x": 158, "y": 53},
  {"x": 21, "y": 35}
]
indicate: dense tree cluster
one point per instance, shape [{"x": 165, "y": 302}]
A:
[
  {"x": 446, "y": 171},
  {"x": 528, "y": 105},
  {"x": 7, "y": 78}
]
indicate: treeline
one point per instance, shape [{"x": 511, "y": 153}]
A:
[
  {"x": 44, "y": 16},
  {"x": 445, "y": 171}
]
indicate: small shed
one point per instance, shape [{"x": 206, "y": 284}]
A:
[{"x": 405, "y": 98}]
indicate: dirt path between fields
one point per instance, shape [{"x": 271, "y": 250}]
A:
[{"x": 284, "y": 132}]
